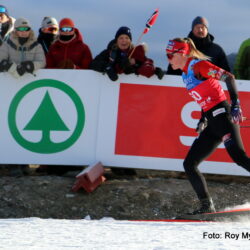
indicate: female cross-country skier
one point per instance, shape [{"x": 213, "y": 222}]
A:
[{"x": 219, "y": 121}]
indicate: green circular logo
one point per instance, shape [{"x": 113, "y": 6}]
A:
[{"x": 46, "y": 118}]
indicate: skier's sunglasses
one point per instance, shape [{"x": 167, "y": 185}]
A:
[
  {"x": 23, "y": 28},
  {"x": 171, "y": 55},
  {"x": 66, "y": 29}
]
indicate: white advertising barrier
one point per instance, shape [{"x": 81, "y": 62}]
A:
[
  {"x": 77, "y": 117},
  {"x": 150, "y": 124},
  {"x": 50, "y": 118}
]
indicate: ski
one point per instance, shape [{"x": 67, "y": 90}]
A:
[
  {"x": 228, "y": 215},
  {"x": 220, "y": 216}
]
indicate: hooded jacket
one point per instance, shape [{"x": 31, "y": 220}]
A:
[
  {"x": 9, "y": 30},
  {"x": 209, "y": 48},
  {"x": 16, "y": 53},
  {"x": 46, "y": 39},
  {"x": 73, "y": 54}
]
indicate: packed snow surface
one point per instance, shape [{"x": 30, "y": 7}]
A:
[{"x": 107, "y": 233}]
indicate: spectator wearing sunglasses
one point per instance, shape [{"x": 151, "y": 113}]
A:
[
  {"x": 21, "y": 53},
  {"x": 48, "y": 32},
  {"x": 6, "y": 24},
  {"x": 69, "y": 51},
  {"x": 204, "y": 42}
]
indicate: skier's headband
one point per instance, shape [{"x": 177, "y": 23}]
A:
[{"x": 177, "y": 47}]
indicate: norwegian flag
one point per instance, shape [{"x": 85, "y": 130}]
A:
[
  {"x": 151, "y": 21},
  {"x": 149, "y": 24}
]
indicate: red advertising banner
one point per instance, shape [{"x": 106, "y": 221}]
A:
[{"x": 154, "y": 121}]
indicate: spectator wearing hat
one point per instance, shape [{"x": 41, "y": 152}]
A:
[
  {"x": 6, "y": 24},
  {"x": 121, "y": 56},
  {"x": 242, "y": 63},
  {"x": 203, "y": 41},
  {"x": 48, "y": 32},
  {"x": 21, "y": 53},
  {"x": 69, "y": 51}
]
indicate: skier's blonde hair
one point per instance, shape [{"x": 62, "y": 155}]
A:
[{"x": 194, "y": 52}]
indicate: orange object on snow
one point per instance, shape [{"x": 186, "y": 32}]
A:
[{"x": 90, "y": 178}]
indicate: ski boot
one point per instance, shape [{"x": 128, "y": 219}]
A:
[{"x": 207, "y": 206}]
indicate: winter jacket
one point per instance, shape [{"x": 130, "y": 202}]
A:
[
  {"x": 46, "y": 39},
  {"x": 9, "y": 30},
  {"x": 143, "y": 66},
  {"x": 209, "y": 48},
  {"x": 73, "y": 54},
  {"x": 242, "y": 63},
  {"x": 16, "y": 53}
]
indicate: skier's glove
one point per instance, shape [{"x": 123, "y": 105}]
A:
[
  {"x": 236, "y": 112},
  {"x": 202, "y": 124}
]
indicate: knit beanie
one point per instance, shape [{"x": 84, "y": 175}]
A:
[
  {"x": 49, "y": 21},
  {"x": 200, "y": 20},
  {"x": 4, "y": 10},
  {"x": 123, "y": 31},
  {"x": 66, "y": 22},
  {"x": 22, "y": 22}
]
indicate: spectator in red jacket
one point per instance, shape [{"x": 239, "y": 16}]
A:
[{"x": 69, "y": 51}]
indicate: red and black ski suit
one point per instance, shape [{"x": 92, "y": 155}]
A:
[{"x": 202, "y": 81}]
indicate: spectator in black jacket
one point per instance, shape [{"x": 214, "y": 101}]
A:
[
  {"x": 48, "y": 32},
  {"x": 203, "y": 41},
  {"x": 121, "y": 56}
]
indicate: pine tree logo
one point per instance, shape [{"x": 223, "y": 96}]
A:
[
  {"x": 46, "y": 118},
  {"x": 46, "y": 112}
]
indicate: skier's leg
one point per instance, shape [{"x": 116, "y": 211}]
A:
[
  {"x": 235, "y": 148},
  {"x": 202, "y": 147},
  {"x": 224, "y": 128}
]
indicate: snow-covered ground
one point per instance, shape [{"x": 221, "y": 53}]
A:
[{"x": 110, "y": 234}]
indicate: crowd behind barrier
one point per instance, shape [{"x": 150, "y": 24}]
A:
[{"x": 61, "y": 46}]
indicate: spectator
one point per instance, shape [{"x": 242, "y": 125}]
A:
[
  {"x": 122, "y": 57},
  {"x": 48, "y": 33},
  {"x": 69, "y": 51},
  {"x": 242, "y": 63},
  {"x": 203, "y": 41},
  {"x": 6, "y": 24},
  {"x": 21, "y": 53}
]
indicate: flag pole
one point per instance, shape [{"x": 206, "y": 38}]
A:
[{"x": 137, "y": 43}]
